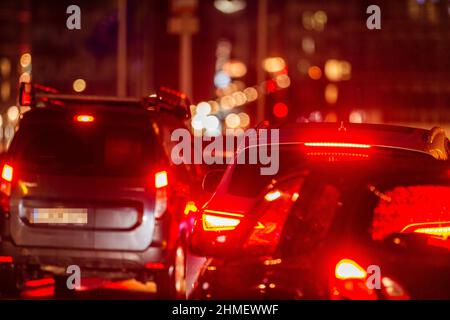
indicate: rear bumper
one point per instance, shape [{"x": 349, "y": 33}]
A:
[{"x": 153, "y": 258}]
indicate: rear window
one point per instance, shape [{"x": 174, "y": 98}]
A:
[
  {"x": 417, "y": 208},
  {"x": 368, "y": 208},
  {"x": 85, "y": 150}
]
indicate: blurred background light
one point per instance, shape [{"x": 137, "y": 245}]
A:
[
  {"x": 239, "y": 98},
  {"x": 13, "y": 113},
  {"x": 283, "y": 81},
  {"x": 251, "y": 94},
  {"x": 211, "y": 123},
  {"x": 232, "y": 121},
  {"x": 308, "y": 45},
  {"x": 315, "y": 116},
  {"x": 79, "y": 85},
  {"x": 25, "y": 60},
  {"x": 280, "y": 110},
  {"x": 235, "y": 68},
  {"x": 203, "y": 108},
  {"x": 357, "y": 116},
  {"x": 274, "y": 64},
  {"x": 5, "y": 67},
  {"x": 244, "y": 119},
  {"x": 230, "y": 6},
  {"x": 222, "y": 79},
  {"x": 25, "y": 77},
  {"x": 197, "y": 122},
  {"x": 331, "y": 93},
  {"x": 315, "y": 73},
  {"x": 227, "y": 102}
]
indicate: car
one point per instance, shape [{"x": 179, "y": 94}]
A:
[
  {"x": 89, "y": 181},
  {"x": 235, "y": 189},
  {"x": 356, "y": 222}
]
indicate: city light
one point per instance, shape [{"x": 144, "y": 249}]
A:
[
  {"x": 222, "y": 79},
  {"x": 232, "y": 121},
  {"x": 236, "y": 69},
  {"x": 13, "y": 113},
  {"x": 230, "y": 6},
  {"x": 331, "y": 93},
  {"x": 244, "y": 119},
  {"x": 25, "y": 60},
  {"x": 25, "y": 77},
  {"x": 274, "y": 64},
  {"x": 79, "y": 85},
  {"x": 280, "y": 110},
  {"x": 315, "y": 73},
  {"x": 203, "y": 108},
  {"x": 251, "y": 94}
]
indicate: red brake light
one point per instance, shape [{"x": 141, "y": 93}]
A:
[
  {"x": 161, "y": 179},
  {"x": 84, "y": 118},
  {"x": 7, "y": 172},
  {"x": 349, "y": 269},
  {"x": 220, "y": 221},
  {"x": 437, "y": 229},
  {"x": 6, "y": 259},
  {"x": 337, "y": 145},
  {"x": 336, "y": 151}
]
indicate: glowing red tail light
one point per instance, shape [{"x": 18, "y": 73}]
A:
[
  {"x": 85, "y": 118},
  {"x": 436, "y": 229},
  {"x": 161, "y": 182},
  {"x": 337, "y": 151},
  {"x": 6, "y": 259},
  {"x": 7, "y": 172},
  {"x": 349, "y": 269},
  {"x": 337, "y": 145},
  {"x": 161, "y": 179},
  {"x": 220, "y": 221}
]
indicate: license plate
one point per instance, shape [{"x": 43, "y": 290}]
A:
[{"x": 59, "y": 216}]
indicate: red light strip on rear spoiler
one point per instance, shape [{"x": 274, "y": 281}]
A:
[{"x": 337, "y": 145}]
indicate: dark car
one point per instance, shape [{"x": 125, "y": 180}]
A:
[
  {"x": 235, "y": 191},
  {"x": 354, "y": 223},
  {"x": 90, "y": 182}
]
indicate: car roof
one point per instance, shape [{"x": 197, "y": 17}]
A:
[
  {"x": 373, "y": 134},
  {"x": 105, "y": 114}
]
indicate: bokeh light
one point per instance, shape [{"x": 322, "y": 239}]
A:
[{"x": 79, "y": 85}]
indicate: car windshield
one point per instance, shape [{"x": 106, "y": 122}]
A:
[
  {"x": 366, "y": 207},
  {"x": 84, "y": 150}
]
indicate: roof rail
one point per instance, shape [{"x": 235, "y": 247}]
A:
[
  {"x": 437, "y": 144},
  {"x": 164, "y": 100}
]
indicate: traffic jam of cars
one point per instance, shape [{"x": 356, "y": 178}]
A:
[
  {"x": 353, "y": 211},
  {"x": 197, "y": 151}
]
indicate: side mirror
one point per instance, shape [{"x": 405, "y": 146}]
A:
[{"x": 212, "y": 179}]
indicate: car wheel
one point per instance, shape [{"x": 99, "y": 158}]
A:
[{"x": 172, "y": 283}]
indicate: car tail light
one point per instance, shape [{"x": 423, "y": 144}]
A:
[
  {"x": 7, "y": 172},
  {"x": 349, "y": 269},
  {"x": 436, "y": 229},
  {"x": 6, "y": 259},
  {"x": 337, "y": 145},
  {"x": 86, "y": 118},
  {"x": 161, "y": 179},
  {"x": 5, "y": 187},
  {"x": 220, "y": 221},
  {"x": 337, "y": 151},
  {"x": 161, "y": 182},
  {"x": 349, "y": 281}
]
